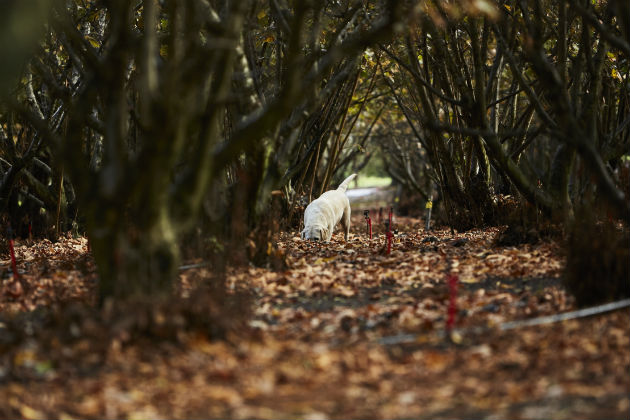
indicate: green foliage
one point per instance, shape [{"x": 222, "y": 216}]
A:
[{"x": 375, "y": 167}]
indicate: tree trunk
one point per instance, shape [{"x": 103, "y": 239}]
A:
[
  {"x": 559, "y": 180},
  {"x": 134, "y": 262}
]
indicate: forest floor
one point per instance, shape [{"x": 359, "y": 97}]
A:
[{"x": 345, "y": 331}]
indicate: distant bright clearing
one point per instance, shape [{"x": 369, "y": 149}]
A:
[{"x": 371, "y": 181}]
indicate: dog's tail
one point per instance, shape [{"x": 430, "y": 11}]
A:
[{"x": 344, "y": 185}]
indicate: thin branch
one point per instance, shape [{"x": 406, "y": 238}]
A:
[
  {"x": 291, "y": 95},
  {"x": 421, "y": 79},
  {"x": 606, "y": 33}
]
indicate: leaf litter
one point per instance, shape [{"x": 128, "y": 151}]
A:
[{"x": 312, "y": 346}]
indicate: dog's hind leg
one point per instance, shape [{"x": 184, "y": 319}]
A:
[{"x": 345, "y": 222}]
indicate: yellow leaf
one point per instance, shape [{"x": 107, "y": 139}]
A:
[
  {"x": 164, "y": 51},
  {"x": 323, "y": 260},
  {"x": 270, "y": 38},
  {"x": 456, "y": 337},
  {"x": 262, "y": 14},
  {"x": 344, "y": 291},
  {"x": 93, "y": 42},
  {"x": 24, "y": 357},
  {"x": 30, "y": 413}
]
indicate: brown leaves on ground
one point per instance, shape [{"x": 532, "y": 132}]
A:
[
  {"x": 322, "y": 340},
  {"x": 49, "y": 273}
]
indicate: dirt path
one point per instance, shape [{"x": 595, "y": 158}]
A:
[
  {"x": 315, "y": 349},
  {"x": 370, "y": 198}
]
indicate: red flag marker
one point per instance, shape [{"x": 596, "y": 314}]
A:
[
  {"x": 452, "y": 304},
  {"x": 13, "y": 263}
]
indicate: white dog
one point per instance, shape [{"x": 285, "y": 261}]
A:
[{"x": 323, "y": 214}]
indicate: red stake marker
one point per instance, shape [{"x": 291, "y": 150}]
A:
[
  {"x": 452, "y": 304},
  {"x": 13, "y": 263}
]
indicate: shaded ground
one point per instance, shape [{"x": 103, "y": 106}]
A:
[{"x": 313, "y": 348}]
